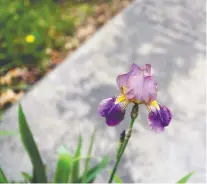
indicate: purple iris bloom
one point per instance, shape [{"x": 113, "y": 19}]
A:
[
  {"x": 114, "y": 112},
  {"x": 136, "y": 86}
]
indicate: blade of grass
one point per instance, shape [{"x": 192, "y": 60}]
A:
[
  {"x": 76, "y": 164},
  {"x": 7, "y": 133},
  {"x": 64, "y": 166},
  {"x": 27, "y": 177},
  {"x": 185, "y": 178},
  {"x": 31, "y": 148},
  {"x": 83, "y": 158},
  {"x": 92, "y": 173},
  {"x": 89, "y": 155},
  {"x": 117, "y": 179},
  {"x": 2, "y": 177}
]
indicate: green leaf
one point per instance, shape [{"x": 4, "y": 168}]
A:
[
  {"x": 2, "y": 177},
  {"x": 83, "y": 158},
  {"x": 92, "y": 173},
  {"x": 7, "y": 133},
  {"x": 31, "y": 148},
  {"x": 27, "y": 177},
  {"x": 76, "y": 163},
  {"x": 116, "y": 179},
  {"x": 185, "y": 178},
  {"x": 63, "y": 168},
  {"x": 89, "y": 154}
]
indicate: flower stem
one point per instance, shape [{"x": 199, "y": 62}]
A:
[{"x": 122, "y": 148}]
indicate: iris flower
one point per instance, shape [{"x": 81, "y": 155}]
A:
[{"x": 137, "y": 86}]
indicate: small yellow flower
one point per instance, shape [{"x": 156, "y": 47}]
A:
[{"x": 30, "y": 38}]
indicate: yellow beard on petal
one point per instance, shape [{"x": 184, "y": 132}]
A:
[
  {"x": 155, "y": 104},
  {"x": 120, "y": 99}
]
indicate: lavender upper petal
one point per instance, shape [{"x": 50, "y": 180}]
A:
[
  {"x": 135, "y": 87},
  {"x": 139, "y": 84},
  {"x": 122, "y": 79},
  {"x": 135, "y": 69},
  {"x": 149, "y": 89},
  {"x": 148, "y": 70}
]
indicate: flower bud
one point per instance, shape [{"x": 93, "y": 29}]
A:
[{"x": 134, "y": 112}]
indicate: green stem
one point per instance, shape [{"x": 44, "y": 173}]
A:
[{"x": 121, "y": 150}]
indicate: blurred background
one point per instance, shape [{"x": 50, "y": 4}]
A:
[{"x": 36, "y": 35}]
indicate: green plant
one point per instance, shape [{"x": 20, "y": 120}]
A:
[
  {"x": 185, "y": 178},
  {"x": 68, "y": 165},
  {"x": 7, "y": 133},
  {"x": 28, "y": 28}
]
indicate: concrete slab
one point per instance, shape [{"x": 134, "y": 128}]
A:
[{"x": 168, "y": 34}]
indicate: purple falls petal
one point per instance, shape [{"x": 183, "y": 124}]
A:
[
  {"x": 105, "y": 106},
  {"x": 114, "y": 113},
  {"x": 159, "y": 119}
]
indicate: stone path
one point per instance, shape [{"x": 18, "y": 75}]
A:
[{"x": 168, "y": 34}]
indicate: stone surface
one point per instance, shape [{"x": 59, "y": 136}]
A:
[{"x": 168, "y": 34}]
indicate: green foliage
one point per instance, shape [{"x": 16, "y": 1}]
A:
[
  {"x": 7, "y": 133},
  {"x": 76, "y": 163},
  {"x": 43, "y": 20},
  {"x": 63, "y": 169},
  {"x": 39, "y": 174},
  {"x": 92, "y": 173},
  {"x": 89, "y": 155},
  {"x": 185, "y": 178},
  {"x": 2, "y": 177},
  {"x": 27, "y": 177},
  {"x": 116, "y": 178},
  {"x": 68, "y": 165}
]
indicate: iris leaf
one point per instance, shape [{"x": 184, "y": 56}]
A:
[
  {"x": 27, "y": 177},
  {"x": 89, "y": 154},
  {"x": 185, "y": 178},
  {"x": 3, "y": 178},
  {"x": 31, "y": 148},
  {"x": 93, "y": 172},
  {"x": 7, "y": 133},
  {"x": 76, "y": 163},
  {"x": 63, "y": 168},
  {"x": 116, "y": 179}
]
